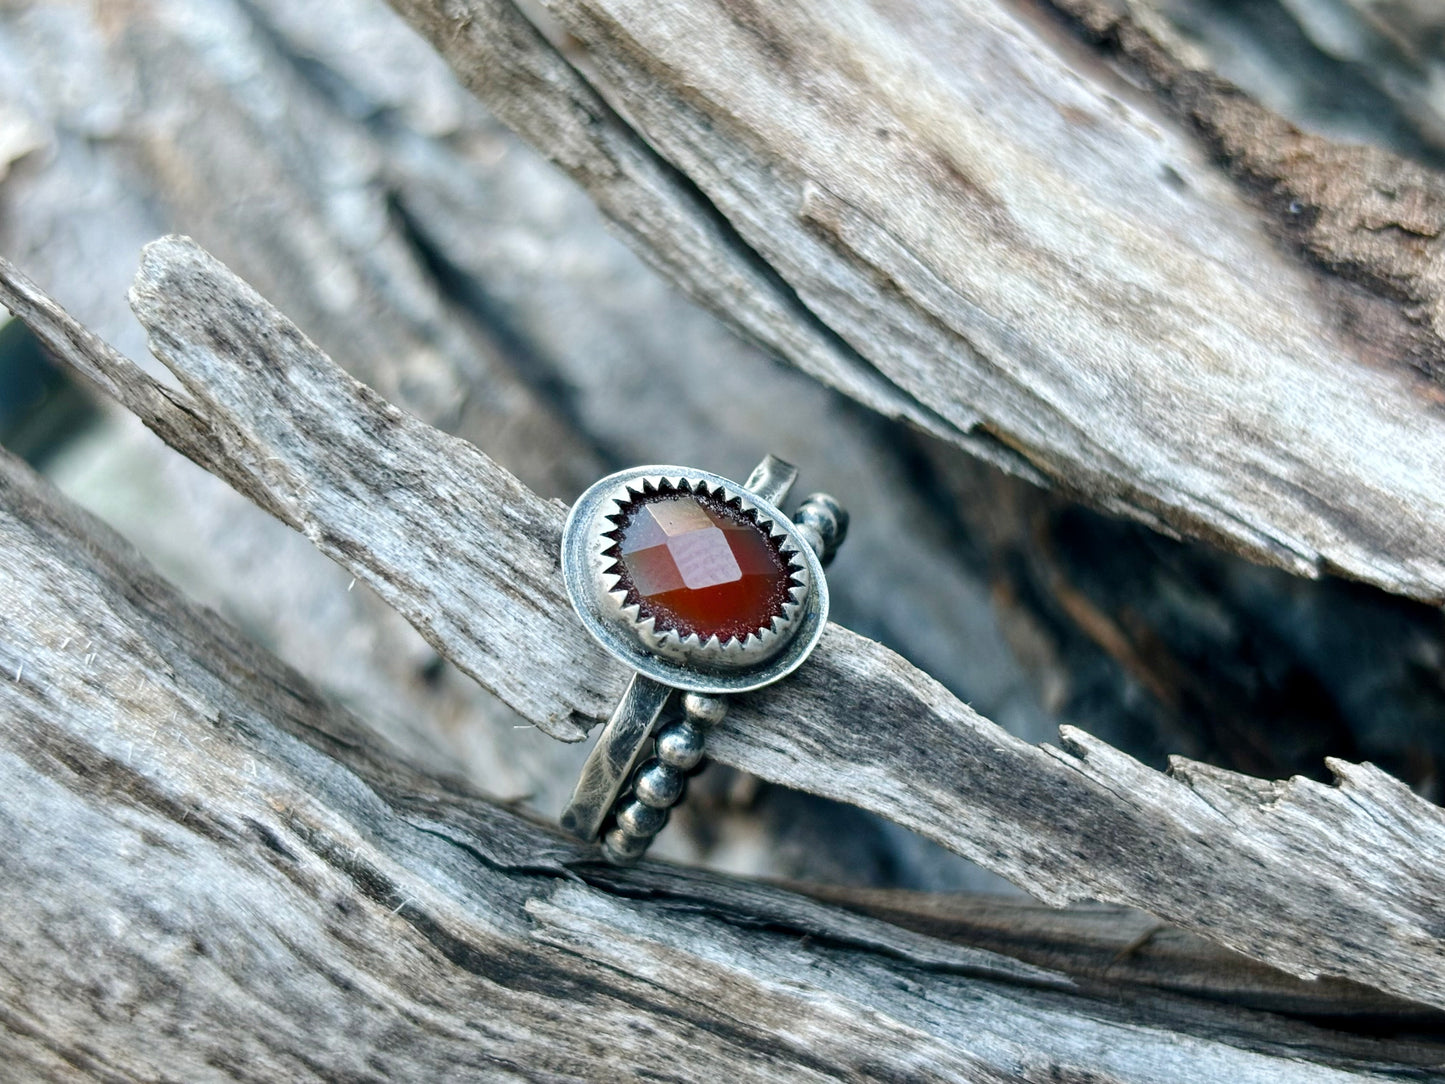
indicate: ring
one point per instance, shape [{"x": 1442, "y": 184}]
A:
[{"x": 704, "y": 588}]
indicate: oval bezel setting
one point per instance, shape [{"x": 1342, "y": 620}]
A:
[{"x": 688, "y": 661}]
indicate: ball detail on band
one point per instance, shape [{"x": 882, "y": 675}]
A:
[
  {"x": 623, "y": 848},
  {"x": 658, "y": 785},
  {"x": 823, "y": 522},
  {"x": 703, "y": 710},
  {"x": 637, "y": 819},
  {"x": 681, "y": 745}
]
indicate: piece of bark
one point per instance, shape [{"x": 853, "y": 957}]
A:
[
  {"x": 213, "y": 872},
  {"x": 1007, "y": 245},
  {"x": 1313, "y": 879}
]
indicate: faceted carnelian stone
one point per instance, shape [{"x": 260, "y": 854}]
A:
[{"x": 698, "y": 565}]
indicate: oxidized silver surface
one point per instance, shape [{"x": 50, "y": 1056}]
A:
[
  {"x": 688, "y": 662},
  {"x": 651, "y": 714}
]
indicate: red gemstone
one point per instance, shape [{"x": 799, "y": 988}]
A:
[{"x": 699, "y": 565}]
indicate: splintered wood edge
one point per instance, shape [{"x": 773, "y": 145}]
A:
[
  {"x": 1316, "y": 880},
  {"x": 240, "y": 875}
]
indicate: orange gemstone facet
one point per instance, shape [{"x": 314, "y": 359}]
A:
[{"x": 698, "y": 565}]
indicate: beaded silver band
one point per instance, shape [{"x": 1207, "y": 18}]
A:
[
  {"x": 659, "y": 782},
  {"x": 656, "y": 736}
]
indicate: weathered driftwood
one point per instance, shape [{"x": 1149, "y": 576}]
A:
[
  {"x": 221, "y": 118},
  {"x": 1184, "y": 309},
  {"x": 1315, "y": 880},
  {"x": 1120, "y": 951},
  {"x": 212, "y": 872},
  {"x": 325, "y": 153},
  {"x": 445, "y": 264}
]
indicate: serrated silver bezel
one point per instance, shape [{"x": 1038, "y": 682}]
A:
[{"x": 688, "y": 662}]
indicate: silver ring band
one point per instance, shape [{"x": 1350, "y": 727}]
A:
[{"x": 704, "y": 588}]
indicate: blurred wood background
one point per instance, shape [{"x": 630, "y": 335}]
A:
[{"x": 1089, "y": 569}]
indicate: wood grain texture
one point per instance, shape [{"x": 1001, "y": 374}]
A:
[
  {"x": 1117, "y": 949},
  {"x": 445, "y": 264},
  {"x": 212, "y": 872},
  {"x": 1010, "y": 246},
  {"x": 450, "y": 267},
  {"x": 1316, "y": 880}
]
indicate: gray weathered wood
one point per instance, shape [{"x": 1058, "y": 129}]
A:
[
  {"x": 406, "y": 230},
  {"x": 1277, "y": 871},
  {"x": 445, "y": 264},
  {"x": 947, "y": 212},
  {"x": 1120, "y": 950},
  {"x": 212, "y": 872}
]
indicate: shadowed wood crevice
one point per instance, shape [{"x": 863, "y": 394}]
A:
[
  {"x": 1272, "y": 870},
  {"x": 246, "y": 883},
  {"x": 1019, "y": 245}
]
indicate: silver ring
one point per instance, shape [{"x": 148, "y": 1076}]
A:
[{"x": 703, "y": 587}]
